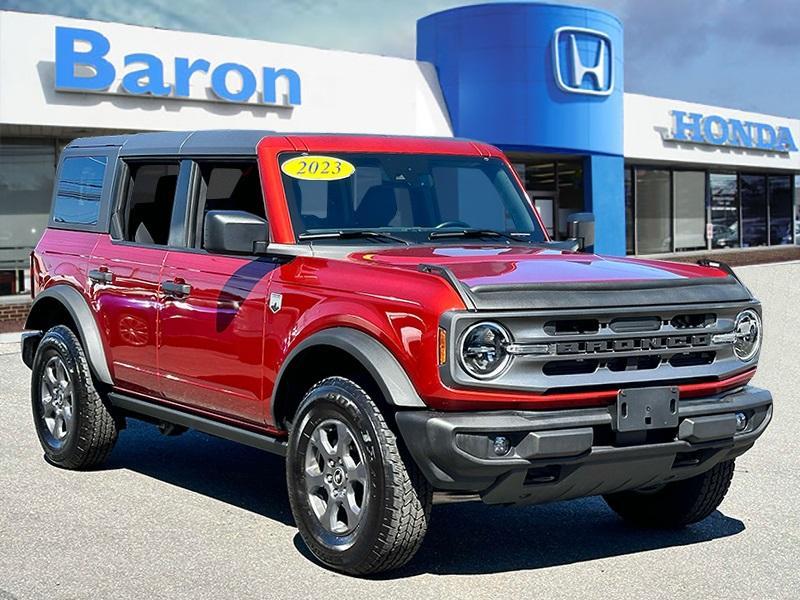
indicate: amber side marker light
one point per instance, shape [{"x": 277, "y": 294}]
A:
[{"x": 442, "y": 346}]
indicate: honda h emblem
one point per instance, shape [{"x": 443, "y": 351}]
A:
[{"x": 583, "y": 61}]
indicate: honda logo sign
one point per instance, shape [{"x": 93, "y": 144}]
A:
[{"x": 583, "y": 61}]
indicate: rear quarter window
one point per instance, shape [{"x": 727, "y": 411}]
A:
[{"x": 79, "y": 191}]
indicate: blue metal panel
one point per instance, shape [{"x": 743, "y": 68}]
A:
[
  {"x": 496, "y": 68},
  {"x": 605, "y": 196},
  {"x": 539, "y": 78}
]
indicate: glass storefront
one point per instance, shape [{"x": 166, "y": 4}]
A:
[
  {"x": 781, "y": 210},
  {"x": 630, "y": 215},
  {"x": 653, "y": 211},
  {"x": 683, "y": 210},
  {"x": 690, "y": 210},
  {"x": 724, "y": 211},
  {"x": 555, "y": 187},
  {"x": 797, "y": 209},
  {"x": 27, "y": 170},
  {"x": 753, "y": 200}
]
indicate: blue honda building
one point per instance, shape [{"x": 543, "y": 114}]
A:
[{"x": 544, "y": 83}]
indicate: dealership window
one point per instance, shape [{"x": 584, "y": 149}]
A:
[
  {"x": 753, "y": 198},
  {"x": 27, "y": 170},
  {"x": 724, "y": 210},
  {"x": 570, "y": 193},
  {"x": 630, "y": 214},
  {"x": 555, "y": 188},
  {"x": 690, "y": 210},
  {"x": 653, "y": 211},
  {"x": 780, "y": 191},
  {"x": 733, "y": 209},
  {"x": 797, "y": 209}
]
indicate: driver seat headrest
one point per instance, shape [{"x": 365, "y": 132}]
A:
[{"x": 378, "y": 206}]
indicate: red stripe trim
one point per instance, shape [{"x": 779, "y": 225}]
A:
[{"x": 694, "y": 390}]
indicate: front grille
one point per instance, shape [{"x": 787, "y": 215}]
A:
[
  {"x": 634, "y": 363},
  {"x": 617, "y": 346},
  {"x": 570, "y": 367},
  {"x": 634, "y": 324},
  {"x": 572, "y": 326},
  {"x": 692, "y": 359},
  {"x": 693, "y": 321}
]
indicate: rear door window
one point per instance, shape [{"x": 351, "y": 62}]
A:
[
  {"x": 151, "y": 198},
  {"x": 79, "y": 191}
]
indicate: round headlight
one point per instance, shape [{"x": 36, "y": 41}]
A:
[
  {"x": 483, "y": 352},
  {"x": 747, "y": 335}
]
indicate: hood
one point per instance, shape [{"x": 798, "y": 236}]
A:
[{"x": 505, "y": 277}]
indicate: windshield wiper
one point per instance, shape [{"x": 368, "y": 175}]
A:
[
  {"x": 351, "y": 234},
  {"x": 476, "y": 233}
]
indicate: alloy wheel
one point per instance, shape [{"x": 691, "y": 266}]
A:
[
  {"x": 336, "y": 476},
  {"x": 57, "y": 397}
]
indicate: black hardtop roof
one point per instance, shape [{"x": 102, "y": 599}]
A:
[
  {"x": 223, "y": 141},
  {"x": 211, "y": 141}
]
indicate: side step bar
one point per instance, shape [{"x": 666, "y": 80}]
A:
[{"x": 204, "y": 424}]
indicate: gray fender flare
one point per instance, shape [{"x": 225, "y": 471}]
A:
[
  {"x": 380, "y": 363},
  {"x": 88, "y": 331}
]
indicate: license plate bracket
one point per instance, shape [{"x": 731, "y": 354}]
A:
[{"x": 640, "y": 409}]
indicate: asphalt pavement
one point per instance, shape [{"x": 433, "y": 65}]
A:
[{"x": 198, "y": 517}]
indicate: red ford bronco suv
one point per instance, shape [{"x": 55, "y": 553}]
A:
[{"x": 390, "y": 315}]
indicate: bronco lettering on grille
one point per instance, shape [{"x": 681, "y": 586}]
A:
[{"x": 634, "y": 344}]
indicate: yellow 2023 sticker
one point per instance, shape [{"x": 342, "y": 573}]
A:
[{"x": 318, "y": 168}]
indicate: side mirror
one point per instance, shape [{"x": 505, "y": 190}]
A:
[
  {"x": 234, "y": 232},
  {"x": 580, "y": 227}
]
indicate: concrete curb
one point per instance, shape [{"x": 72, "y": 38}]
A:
[
  {"x": 773, "y": 264},
  {"x": 10, "y": 338}
]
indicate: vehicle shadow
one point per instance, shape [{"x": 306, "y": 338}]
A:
[
  {"x": 473, "y": 538},
  {"x": 233, "y": 473},
  {"x": 463, "y": 539}
]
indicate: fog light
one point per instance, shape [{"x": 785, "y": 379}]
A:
[
  {"x": 741, "y": 421},
  {"x": 501, "y": 445}
]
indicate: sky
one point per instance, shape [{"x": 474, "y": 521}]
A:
[{"x": 735, "y": 53}]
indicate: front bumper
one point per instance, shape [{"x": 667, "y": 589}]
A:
[{"x": 557, "y": 455}]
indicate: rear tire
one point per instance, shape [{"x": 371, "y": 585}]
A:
[
  {"x": 360, "y": 506},
  {"x": 75, "y": 428},
  {"x": 676, "y": 504}
]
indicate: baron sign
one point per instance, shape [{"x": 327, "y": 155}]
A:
[
  {"x": 716, "y": 130},
  {"x": 89, "y": 70}
]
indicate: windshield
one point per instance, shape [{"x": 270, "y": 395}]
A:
[{"x": 404, "y": 198}]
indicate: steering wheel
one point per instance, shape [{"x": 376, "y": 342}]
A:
[{"x": 453, "y": 224}]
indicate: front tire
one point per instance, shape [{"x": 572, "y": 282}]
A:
[
  {"x": 359, "y": 505},
  {"x": 74, "y": 426},
  {"x": 675, "y": 504}
]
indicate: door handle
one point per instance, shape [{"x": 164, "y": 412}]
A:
[
  {"x": 101, "y": 275},
  {"x": 175, "y": 288}
]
